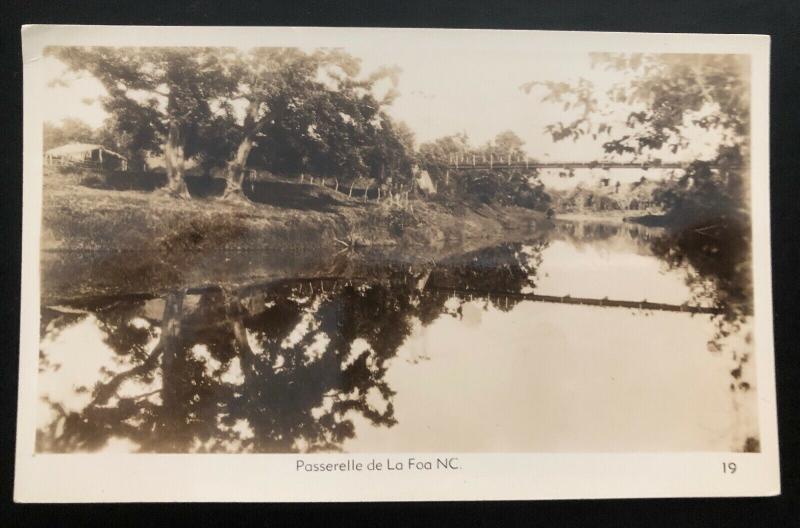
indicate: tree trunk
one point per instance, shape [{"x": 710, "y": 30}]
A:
[
  {"x": 235, "y": 171},
  {"x": 235, "y": 312},
  {"x": 175, "y": 162},
  {"x": 165, "y": 349},
  {"x": 174, "y": 408}
]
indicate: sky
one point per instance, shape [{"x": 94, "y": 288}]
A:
[{"x": 442, "y": 91}]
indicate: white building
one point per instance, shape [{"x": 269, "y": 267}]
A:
[{"x": 86, "y": 154}]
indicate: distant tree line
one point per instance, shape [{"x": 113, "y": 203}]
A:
[{"x": 519, "y": 187}]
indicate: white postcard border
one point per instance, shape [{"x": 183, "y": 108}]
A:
[{"x": 256, "y": 477}]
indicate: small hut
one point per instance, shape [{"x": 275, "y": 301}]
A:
[{"x": 87, "y": 155}]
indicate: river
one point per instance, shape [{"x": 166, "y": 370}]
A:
[{"x": 587, "y": 338}]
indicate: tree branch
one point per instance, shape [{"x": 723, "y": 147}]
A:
[{"x": 105, "y": 391}]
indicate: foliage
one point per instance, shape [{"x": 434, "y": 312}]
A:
[
  {"x": 707, "y": 190},
  {"x": 505, "y": 144},
  {"x": 70, "y": 130},
  {"x": 487, "y": 186},
  {"x": 399, "y": 219},
  {"x": 149, "y": 88},
  {"x": 326, "y": 120},
  {"x": 435, "y": 156},
  {"x": 298, "y": 112},
  {"x": 278, "y": 368},
  {"x": 669, "y": 98}
]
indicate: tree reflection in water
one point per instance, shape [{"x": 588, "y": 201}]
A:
[
  {"x": 277, "y": 368},
  {"x": 291, "y": 365},
  {"x": 718, "y": 261},
  {"x": 715, "y": 259}
]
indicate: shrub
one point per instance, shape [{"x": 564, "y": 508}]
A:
[
  {"x": 93, "y": 180},
  {"x": 399, "y": 220}
]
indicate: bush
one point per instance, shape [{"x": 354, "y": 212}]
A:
[
  {"x": 123, "y": 180},
  {"x": 492, "y": 187},
  {"x": 399, "y": 220},
  {"x": 94, "y": 181}
]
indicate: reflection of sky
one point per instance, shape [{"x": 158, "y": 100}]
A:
[
  {"x": 549, "y": 377},
  {"x": 542, "y": 377},
  {"x": 608, "y": 270},
  {"x": 81, "y": 354},
  {"x": 84, "y": 338}
]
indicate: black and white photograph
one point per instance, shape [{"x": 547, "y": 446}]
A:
[{"x": 325, "y": 250}]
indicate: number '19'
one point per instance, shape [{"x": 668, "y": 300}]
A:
[{"x": 729, "y": 467}]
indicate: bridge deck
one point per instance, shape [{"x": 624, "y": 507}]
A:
[{"x": 470, "y": 165}]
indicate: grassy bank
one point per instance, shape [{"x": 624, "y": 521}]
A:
[{"x": 76, "y": 217}]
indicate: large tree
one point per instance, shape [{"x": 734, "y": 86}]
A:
[
  {"x": 436, "y": 156},
  {"x": 274, "y": 84},
  {"x": 158, "y": 94},
  {"x": 311, "y": 112},
  {"x": 505, "y": 145},
  {"x": 499, "y": 185}
]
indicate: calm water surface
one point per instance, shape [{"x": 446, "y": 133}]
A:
[{"x": 532, "y": 346}]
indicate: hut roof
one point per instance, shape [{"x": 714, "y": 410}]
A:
[{"x": 77, "y": 148}]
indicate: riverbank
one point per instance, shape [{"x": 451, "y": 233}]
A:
[
  {"x": 604, "y": 217},
  {"x": 80, "y": 218},
  {"x": 648, "y": 219}
]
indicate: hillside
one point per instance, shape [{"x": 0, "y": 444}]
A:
[{"x": 78, "y": 217}]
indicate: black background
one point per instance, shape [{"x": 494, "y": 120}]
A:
[{"x": 778, "y": 18}]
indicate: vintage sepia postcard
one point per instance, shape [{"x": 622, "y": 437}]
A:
[{"x": 336, "y": 264}]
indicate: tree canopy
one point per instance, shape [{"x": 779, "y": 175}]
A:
[
  {"x": 659, "y": 106},
  {"x": 516, "y": 186},
  {"x": 70, "y": 130},
  {"x": 294, "y": 111}
]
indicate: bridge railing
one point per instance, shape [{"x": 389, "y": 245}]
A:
[{"x": 475, "y": 161}]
